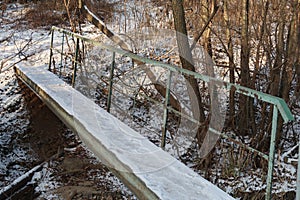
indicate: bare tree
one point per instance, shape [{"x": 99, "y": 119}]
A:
[
  {"x": 205, "y": 138},
  {"x": 244, "y": 102},
  {"x": 231, "y": 60},
  {"x": 187, "y": 59},
  {"x": 291, "y": 53}
]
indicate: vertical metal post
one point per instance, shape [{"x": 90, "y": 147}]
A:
[
  {"x": 51, "y": 50},
  {"x": 75, "y": 62},
  {"x": 111, "y": 76},
  {"x": 272, "y": 153},
  {"x": 165, "y": 117},
  {"x": 298, "y": 172},
  {"x": 61, "y": 54}
]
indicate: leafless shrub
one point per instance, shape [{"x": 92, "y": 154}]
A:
[
  {"x": 63, "y": 12},
  {"x": 45, "y": 13}
]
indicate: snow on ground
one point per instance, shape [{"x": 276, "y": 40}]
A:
[
  {"x": 13, "y": 123},
  {"x": 135, "y": 111},
  {"x": 14, "y": 116}
]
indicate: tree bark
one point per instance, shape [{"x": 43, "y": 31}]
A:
[
  {"x": 275, "y": 74},
  {"x": 187, "y": 59},
  {"x": 204, "y": 137},
  {"x": 297, "y": 65},
  {"x": 244, "y": 101},
  {"x": 291, "y": 55},
  {"x": 231, "y": 64}
]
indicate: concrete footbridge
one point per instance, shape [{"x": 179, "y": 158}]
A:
[{"x": 146, "y": 169}]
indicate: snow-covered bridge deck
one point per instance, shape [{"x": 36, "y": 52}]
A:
[{"x": 147, "y": 170}]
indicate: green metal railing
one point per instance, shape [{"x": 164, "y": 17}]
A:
[{"x": 279, "y": 104}]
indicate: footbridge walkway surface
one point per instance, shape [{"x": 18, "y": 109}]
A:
[{"x": 147, "y": 170}]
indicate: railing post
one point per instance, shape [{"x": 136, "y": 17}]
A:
[
  {"x": 165, "y": 117},
  {"x": 61, "y": 54},
  {"x": 272, "y": 153},
  {"x": 75, "y": 62},
  {"x": 51, "y": 50},
  {"x": 111, "y": 76}
]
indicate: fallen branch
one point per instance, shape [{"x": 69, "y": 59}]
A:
[
  {"x": 19, "y": 183},
  {"x": 23, "y": 183},
  {"x": 20, "y": 53}
]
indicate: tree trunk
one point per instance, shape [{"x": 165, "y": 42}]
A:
[
  {"x": 297, "y": 65},
  {"x": 278, "y": 63},
  {"x": 275, "y": 74},
  {"x": 244, "y": 101},
  {"x": 192, "y": 84},
  {"x": 260, "y": 131},
  {"x": 187, "y": 59},
  {"x": 287, "y": 70},
  {"x": 290, "y": 61},
  {"x": 207, "y": 36},
  {"x": 292, "y": 54},
  {"x": 231, "y": 64}
]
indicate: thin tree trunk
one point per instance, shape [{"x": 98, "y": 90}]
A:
[
  {"x": 231, "y": 64},
  {"x": 257, "y": 64},
  {"x": 260, "y": 41},
  {"x": 292, "y": 54},
  {"x": 67, "y": 7},
  {"x": 207, "y": 35},
  {"x": 297, "y": 64},
  {"x": 275, "y": 74},
  {"x": 244, "y": 101},
  {"x": 187, "y": 59},
  {"x": 278, "y": 63},
  {"x": 260, "y": 131}
]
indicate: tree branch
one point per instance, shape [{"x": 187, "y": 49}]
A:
[{"x": 197, "y": 37}]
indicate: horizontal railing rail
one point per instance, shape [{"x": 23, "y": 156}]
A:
[{"x": 279, "y": 102}]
